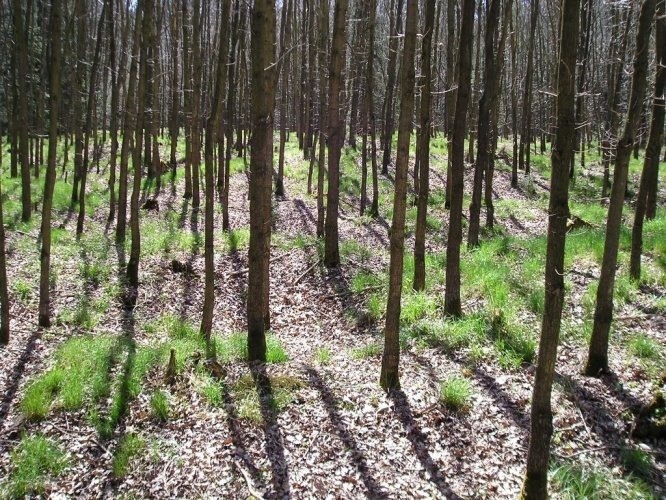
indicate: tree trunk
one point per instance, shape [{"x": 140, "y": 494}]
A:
[
  {"x": 387, "y": 130},
  {"x": 541, "y": 422},
  {"x": 209, "y": 148},
  {"x": 526, "y": 127},
  {"x": 598, "y": 355},
  {"x": 129, "y": 128},
  {"x": 486, "y": 103},
  {"x": 650, "y": 172},
  {"x": 285, "y": 26},
  {"x": 50, "y": 178},
  {"x": 135, "y": 248},
  {"x": 450, "y": 96},
  {"x": 21, "y": 120},
  {"x": 89, "y": 115},
  {"x": 262, "y": 86},
  {"x": 331, "y": 250},
  {"x": 424, "y": 148},
  {"x": 322, "y": 42},
  {"x": 187, "y": 99},
  {"x": 390, "y": 360},
  {"x": 464, "y": 71}
]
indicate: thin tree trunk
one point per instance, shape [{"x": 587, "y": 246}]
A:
[
  {"x": 21, "y": 121},
  {"x": 598, "y": 355},
  {"x": 50, "y": 178},
  {"x": 210, "y": 141},
  {"x": 424, "y": 148},
  {"x": 541, "y": 422},
  {"x": 322, "y": 41},
  {"x": 526, "y": 127},
  {"x": 4, "y": 294},
  {"x": 135, "y": 248},
  {"x": 486, "y": 104},
  {"x": 387, "y": 132},
  {"x": 390, "y": 360},
  {"x": 452, "y": 293},
  {"x": 89, "y": 116},
  {"x": 262, "y": 46},
  {"x": 331, "y": 249}
]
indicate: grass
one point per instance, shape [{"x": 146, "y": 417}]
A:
[
  {"x": 456, "y": 393},
  {"x": 34, "y": 461},
  {"x": 101, "y": 373},
  {"x": 159, "y": 406},
  {"x": 644, "y": 347},
  {"x": 323, "y": 356},
  {"x": 366, "y": 351},
  {"x": 130, "y": 446},
  {"x": 574, "y": 481},
  {"x": 280, "y": 394}
]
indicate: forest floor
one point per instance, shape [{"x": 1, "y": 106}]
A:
[{"x": 85, "y": 411}]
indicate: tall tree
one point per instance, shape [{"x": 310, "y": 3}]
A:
[
  {"x": 395, "y": 21},
  {"x": 129, "y": 127},
  {"x": 450, "y": 96},
  {"x": 424, "y": 148},
  {"x": 464, "y": 73},
  {"x": 390, "y": 360},
  {"x": 541, "y": 423},
  {"x": 322, "y": 45},
  {"x": 262, "y": 47},
  {"x": 650, "y": 172},
  {"x": 285, "y": 27},
  {"x": 78, "y": 82},
  {"x": 49, "y": 181},
  {"x": 212, "y": 122},
  {"x": 486, "y": 103},
  {"x": 135, "y": 249},
  {"x": 597, "y": 361},
  {"x": 22, "y": 89},
  {"x": 526, "y": 115},
  {"x": 92, "y": 89},
  {"x": 335, "y": 126}
]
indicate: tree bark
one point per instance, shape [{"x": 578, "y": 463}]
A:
[
  {"x": 261, "y": 170},
  {"x": 89, "y": 116},
  {"x": 50, "y": 178},
  {"x": 390, "y": 360},
  {"x": 486, "y": 103},
  {"x": 650, "y": 172},
  {"x": 424, "y": 148},
  {"x": 331, "y": 249},
  {"x": 387, "y": 130},
  {"x": 209, "y": 148},
  {"x": 526, "y": 127},
  {"x": 464, "y": 71},
  {"x": 322, "y": 42},
  {"x": 541, "y": 422},
  {"x": 597, "y": 361},
  {"x": 21, "y": 120}
]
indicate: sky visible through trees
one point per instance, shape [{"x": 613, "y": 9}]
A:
[{"x": 332, "y": 248}]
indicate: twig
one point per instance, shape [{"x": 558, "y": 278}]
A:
[
  {"x": 582, "y": 418},
  {"x": 248, "y": 480},
  {"x": 297, "y": 280}
]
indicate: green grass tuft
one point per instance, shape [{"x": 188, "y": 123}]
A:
[
  {"x": 456, "y": 393},
  {"x": 159, "y": 406},
  {"x": 34, "y": 460},
  {"x": 130, "y": 446},
  {"x": 366, "y": 351}
]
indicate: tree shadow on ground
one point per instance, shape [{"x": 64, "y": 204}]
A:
[
  {"x": 600, "y": 421},
  {"x": 273, "y": 436},
  {"x": 358, "y": 460},
  {"x": 244, "y": 460},
  {"x": 419, "y": 441}
]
